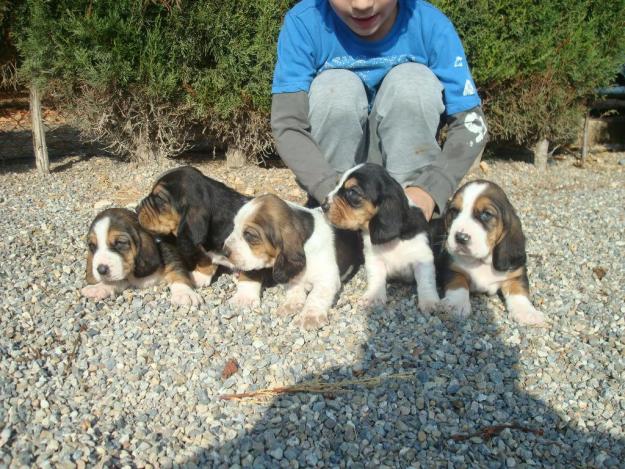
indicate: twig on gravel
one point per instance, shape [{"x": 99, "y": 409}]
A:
[
  {"x": 489, "y": 432},
  {"x": 72, "y": 355},
  {"x": 316, "y": 387}
]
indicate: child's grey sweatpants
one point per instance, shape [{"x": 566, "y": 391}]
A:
[
  {"x": 332, "y": 127},
  {"x": 399, "y": 132}
]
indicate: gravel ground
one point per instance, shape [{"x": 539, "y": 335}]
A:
[{"x": 135, "y": 382}]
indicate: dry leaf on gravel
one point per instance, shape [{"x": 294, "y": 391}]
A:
[
  {"x": 599, "y": 272},
  {"x": 232, "y": 366}
]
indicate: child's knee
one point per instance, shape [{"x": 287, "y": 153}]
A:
[
  {"x": 413, "y": 85},
  {"x": 338, "y": 92}
]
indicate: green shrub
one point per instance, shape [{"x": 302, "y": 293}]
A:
[
  {"x": 535, "y": 62},
  {"x": 144, "y": 74},
  {"x": 8, "y": 54}
]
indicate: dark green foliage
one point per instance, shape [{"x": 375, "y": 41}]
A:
[
  {"x": 142, "y": 73},
  {"x": 4, "y": 30},
  {"x": 156, "y": 68},
  {"x": 536, "y": 61},
  {"x": 8, "y": 54}
]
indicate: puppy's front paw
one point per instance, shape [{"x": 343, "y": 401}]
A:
[
  {"x": 372, "y": 300},
  {"x": 99, "y": 291},
  {"x": 201, "y": 279},
  {"x": 457, "y": 303},
  {"x": 523, "y": 311},
  {"x": 184, "y": 295},
  {"x": 244, "y": 299},
  {"x": 289, "y": 308},
  {"x": 429, "y": 305},
  {"x": 311, "y": 320}
]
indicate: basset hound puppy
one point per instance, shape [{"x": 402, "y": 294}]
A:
[
  {"x": 484, "y": 251},
  {"x": 122, "y": 253},
  {"x": 302, "y": 250},
  {"x": 394, "y": 231},
  {"x": 199, "y": 212}
]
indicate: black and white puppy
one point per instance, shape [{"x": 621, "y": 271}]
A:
[
  {"x": 199, "y": 212},
  {"x": 302, "y": 250},
  {"x": 484, "y": 251},
  {"x": 395, "y": 232},
  {"x": 122, "y": 254}
]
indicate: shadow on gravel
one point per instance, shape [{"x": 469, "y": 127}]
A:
[
  {"x": 16, "y": 149},
  {"x": 463, "y": 388}
]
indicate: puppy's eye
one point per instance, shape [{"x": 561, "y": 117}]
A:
[
  {"x": 486, "y": 216},
  {"x": 121, "y": 244},
  {"x": 353, "y": 196},
  {"x": 92, "y": 246},
  {"x": 453, "y": 212},
  {"x": 251, "y": 237},
  {"x": 160, "y": 203}
]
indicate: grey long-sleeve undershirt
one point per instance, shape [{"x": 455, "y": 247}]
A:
[{"x": 297, "y": 148}]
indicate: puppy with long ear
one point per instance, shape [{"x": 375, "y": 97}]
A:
[
  {"x": 394, "y": 231},
  {"x": 301, "y": 249},
  {"x": 199, "y": 212},
  {"x": 121, "y": 254},
  {"x": 484, "y": 251}
]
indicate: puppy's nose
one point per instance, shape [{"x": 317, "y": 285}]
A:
[
  {"x": 462, "y": 238},
  {"x": 103, "y": 269},
  {"x": 325, "y": 206}
]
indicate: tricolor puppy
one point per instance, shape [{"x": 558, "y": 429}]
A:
[
  {"x": 199, "y": 212},
  {"x": 484, "y": 252},
  {"x": 122, "y": 254},
  {"x": 395, "y": 232},
  {"x": 302, "y": 250}
]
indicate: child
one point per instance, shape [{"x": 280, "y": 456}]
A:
[{"x": 374, "y": 80}]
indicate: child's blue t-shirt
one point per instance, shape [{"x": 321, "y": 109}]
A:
[{"x": 313, "y": 39}]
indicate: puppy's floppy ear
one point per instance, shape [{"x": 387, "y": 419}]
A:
[
  {"x": 446, "y": 216},
  {"x": 194, "y": 224},
  {"x": 89, "y": 270},
  {"x": 509, "y": 253},
  {"x": 288, "y": 264},
  {"x": 291, "y": 258},
  {"x": 192, "y": 230},
  {"x": 148, "y": 258},
  {"x": 386, "y": 224},
  {"x": 438, "y": 234}
]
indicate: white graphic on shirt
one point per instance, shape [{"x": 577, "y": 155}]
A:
[
  {"x": 458, "y": 62},
  {"x": 476, "y": 125},
  {"x": 468, "y": 88}
]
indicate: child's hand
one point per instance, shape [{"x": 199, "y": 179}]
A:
[{"x": 422, "y": 200}]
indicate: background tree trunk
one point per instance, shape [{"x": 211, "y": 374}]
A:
[
  {"x": 39, "y": 135},
  {"x": 541, "y": 153},
  {"x": 585, "y": 142}
]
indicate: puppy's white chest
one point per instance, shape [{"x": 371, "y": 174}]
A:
[
  {"x": 398, "y": 257},
  {"x": 484, "y": 278}
]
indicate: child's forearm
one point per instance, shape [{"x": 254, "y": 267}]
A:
[{"x": 296, "y": 147}]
